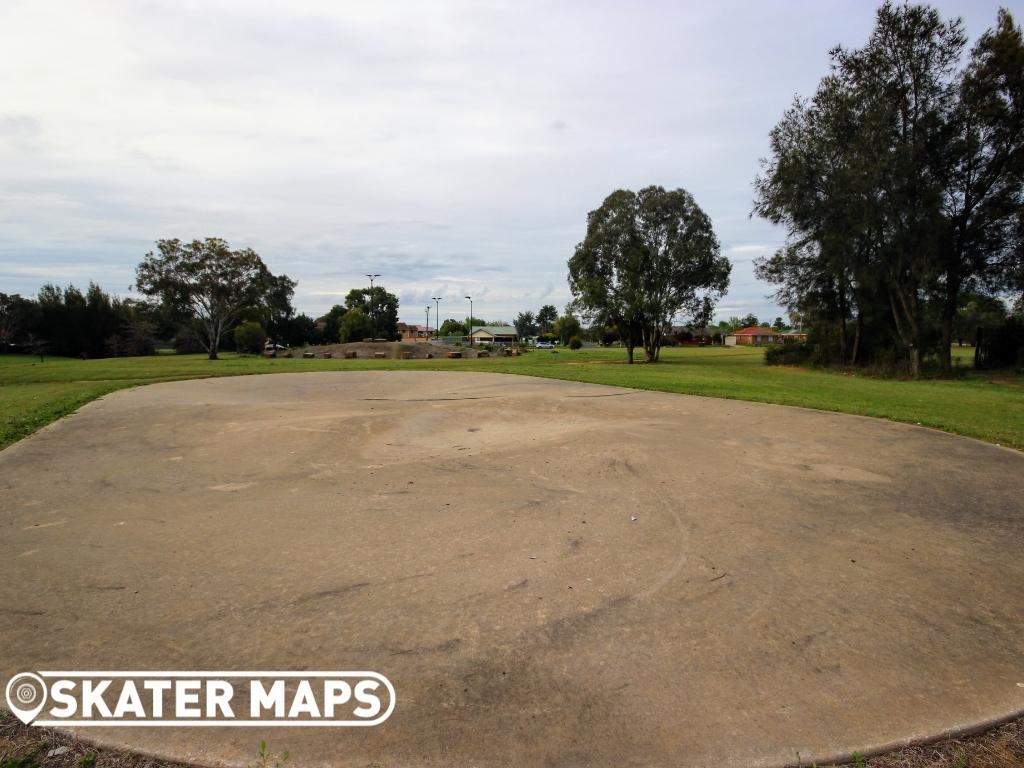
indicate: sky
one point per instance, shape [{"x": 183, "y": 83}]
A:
[{"x": 454, "y": 148}]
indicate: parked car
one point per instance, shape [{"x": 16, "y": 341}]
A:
[{"x": 545, "y": 345}]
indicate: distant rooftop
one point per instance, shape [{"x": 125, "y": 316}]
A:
[{"x": 756, "y": 330}]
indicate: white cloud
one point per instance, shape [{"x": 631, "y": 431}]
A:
[{"x": 453, "y": 147}]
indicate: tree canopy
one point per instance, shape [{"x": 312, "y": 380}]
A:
[
  {"x": 900, "y": 182},
  {"x": 208, "y": 281},
  {"x": 647, "y": 257}
]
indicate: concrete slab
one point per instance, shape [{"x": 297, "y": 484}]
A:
[{"x": 794, "y": 583}]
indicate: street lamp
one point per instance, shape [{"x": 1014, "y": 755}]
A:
[
  {"x": 373, "y": 318},
  {"x": 428, "y": 321},
  {"x": 470, "y": 319},
  {"x": 437, "y": 316}
]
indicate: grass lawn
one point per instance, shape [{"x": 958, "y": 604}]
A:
[{"x": 990, "y": 407}]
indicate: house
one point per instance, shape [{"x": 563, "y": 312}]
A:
[
  {"x": 752, "y": 336},
  {"x": 414, "y": 332},
  {"x": 493, "y": 334}
]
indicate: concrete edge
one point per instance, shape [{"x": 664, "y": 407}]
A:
[
  {"x": 839, "y": 758},
  {"x": 954, "y": 732}
]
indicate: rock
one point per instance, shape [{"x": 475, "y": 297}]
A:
[
  {"x": 454, "y": 354},
  {"x": 350, "y": 354},
  {"x": 430, "y": 355},
  {"x": 327, "y": 355},
  {"x": 483, "y": 353},
  {"x": 270, "y": 353},
  {"x": 308, "y": 355},
  {"x": 289, "y": 354},
  {"x": 380, "y": 355}
]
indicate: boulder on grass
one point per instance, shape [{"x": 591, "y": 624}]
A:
[
  {"x": 349, "y": 354},
  {"x": 454, "y": 355},
  {"x": 483, "y": 353},
  {"x": 308, "y": 355},
  {"x": 327, "y": 355}
]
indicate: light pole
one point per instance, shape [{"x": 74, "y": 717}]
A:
[
  {"x": 373, "y": 319},
  {"x": 428, "y": 321},
  {"x": 470, "y": 319},
  {"x": 437, "y": 317}
]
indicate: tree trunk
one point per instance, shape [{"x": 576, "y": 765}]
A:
[
  {"x": 915, "y": 362},
  {"x": 859, "y": 328},
  {"x": 948, "y": 314},
  {"x": 842, "y": 324},
  {"x": 629, "y": 353},
  {"x": 213, "y": 329}
]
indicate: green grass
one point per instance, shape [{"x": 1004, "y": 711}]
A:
[{"x": 33, "y": 394}]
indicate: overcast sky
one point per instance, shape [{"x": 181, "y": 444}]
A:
[{"x": 452, "y": 147}]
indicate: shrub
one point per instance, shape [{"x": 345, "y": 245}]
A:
[
  {"x": 575, "y": 342},
  {"x": 1002, "y": 347},
  {"x": 250, "y": 337},
  {"x": 788, "y": 354}
]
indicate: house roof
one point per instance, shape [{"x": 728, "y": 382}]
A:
[
  {"x": 495, "y": 330},
  {"x": 755, "y": 330}
]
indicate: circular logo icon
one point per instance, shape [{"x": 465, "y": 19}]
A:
[{"x": 26, "y": 696}]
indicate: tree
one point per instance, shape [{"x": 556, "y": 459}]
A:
[
  {"x": 546, "y": 317},
  {"x": 779, "y": 324},
  {"x": 452, "y": 327},
  {"x": 525, "y": 324},
  {"x": 355, "y": 326},
  {"x": 566, "y": 327},
  {"x": 647, "y": 257},
  {"x": 296, "y": 331},
  {"x": 977, "y": 311},
  {"x": 207, "y": 281},
  {"x": 378, "y": 305},
  {"x": 16, "y": 316},
  {"x": 900, "y": 182},
  {"x": 750, "y": 319},
  {"x": 984, "y": 164},
  {"x": 278, "y": 312},
  {"x": 329, "y": 325},
  {"x": 250, "y": 337}
]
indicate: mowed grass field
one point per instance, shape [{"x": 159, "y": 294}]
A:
[{"x": 985, "y": 406}]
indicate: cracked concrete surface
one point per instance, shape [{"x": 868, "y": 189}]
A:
[{"x": 547, "y": 575}]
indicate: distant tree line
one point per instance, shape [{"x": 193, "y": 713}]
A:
[
  {"x": 71, "y": 323},
  {"x": 901, "y": 182},
  {"x": 366, "y": 314},
  {"x": 195, "y": 295}
]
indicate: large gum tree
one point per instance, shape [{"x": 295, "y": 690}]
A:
[
  {"x": 208, "y": 282},
  {"x": 648, "y": 256}
]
